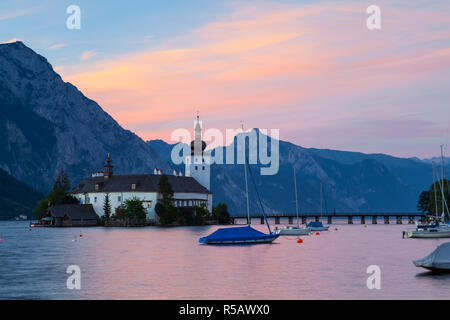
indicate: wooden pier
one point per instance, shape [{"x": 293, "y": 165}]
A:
[{"x": 289, "y": 218}]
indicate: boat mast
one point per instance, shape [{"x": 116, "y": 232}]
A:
[
  {"x": 444, "y": 202},
  {"x": 246, "y": 183},
  {"x": 435, "y": 190},
  {"x": 296, "y": 200},
  {"x": 442, "y": 183}
]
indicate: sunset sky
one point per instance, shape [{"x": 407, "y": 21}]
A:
[{"x": 309, "y": 68}]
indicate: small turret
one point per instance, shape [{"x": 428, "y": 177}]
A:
[{"x": 108, "y": 171}]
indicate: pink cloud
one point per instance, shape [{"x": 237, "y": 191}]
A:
[{"x": 276, "y": 66}]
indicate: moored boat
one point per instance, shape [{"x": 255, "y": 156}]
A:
[
  {"x": 317, "y": 226},
  {"x": 435, "y": 227},
  {"x": 431, "y": 231},
  {"x": 238, "y": 235},
  {"x": 438, "y": 260},
  {"x": 293, "y": 231},
  {"x": 241, "y": 235}
]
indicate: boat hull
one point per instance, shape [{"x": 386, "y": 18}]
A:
[
  {"x": 267, "y": 239},
  {"x": 319, "y": 228},
  {"x": 428, "y": 234},
  {"x": 434, "y": 267},
  {"x": 293, "y": 232}
]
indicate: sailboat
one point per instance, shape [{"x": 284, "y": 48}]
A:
[
  {"x": 292, "y": 230},
  {"x": 318, "y": 225},
  {"x": 241, "y": 235},
  {"x": 438, "y": 228}
]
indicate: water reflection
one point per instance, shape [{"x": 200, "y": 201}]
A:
[{"x": 169, "y": 263}]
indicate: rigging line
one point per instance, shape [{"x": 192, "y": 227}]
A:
[{"x": 259, "y": 199}]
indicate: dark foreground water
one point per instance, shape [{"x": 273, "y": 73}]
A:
[{"x": 168, "y": 263}]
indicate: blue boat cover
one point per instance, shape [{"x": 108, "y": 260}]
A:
[
  {"x": 235, "y": 234},
  {"x": 315, "y": 224}
]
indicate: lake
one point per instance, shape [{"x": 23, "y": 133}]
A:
[{"x": 168, "y": 263}]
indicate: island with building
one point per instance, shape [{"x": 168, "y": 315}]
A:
[{"x": 135, "y": 199}]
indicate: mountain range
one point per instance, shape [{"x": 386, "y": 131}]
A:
[
  {"x": 48, "y": 125},
  {"x": 350, "y": 181}
]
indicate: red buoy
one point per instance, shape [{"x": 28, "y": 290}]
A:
[
  {"x": 1, "y": 239},
  {"x": 299, "y": 240},
  {"x": 81, "y": 235},
  {"x": 317, "y": 233}
]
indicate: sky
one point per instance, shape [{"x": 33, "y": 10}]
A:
[{"x": 311, "y": 69}]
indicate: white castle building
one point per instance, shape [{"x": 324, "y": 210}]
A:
[{"x": 193, "y": 189}]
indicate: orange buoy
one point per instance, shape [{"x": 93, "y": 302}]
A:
[
  {"x": 299, "y": 240},
  {"x": 317, "y": 233}
]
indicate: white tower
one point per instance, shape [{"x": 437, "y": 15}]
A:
[{"x": 198, "y": 163}]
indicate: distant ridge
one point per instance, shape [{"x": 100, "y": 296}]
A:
[{"x": 353, "y": 181}]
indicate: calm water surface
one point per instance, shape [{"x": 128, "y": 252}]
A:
[{"x": 168, "y": 263}]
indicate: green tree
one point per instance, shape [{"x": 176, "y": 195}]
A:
[
  {"x": 221, "y": 214},
  {"x": 424, "y": 201},
  {"x": 106, "y": 208},
  {"x": 133, "y": 209},
  {"x": 58, "y": 195},
  {"x": 165, "y": 209}
]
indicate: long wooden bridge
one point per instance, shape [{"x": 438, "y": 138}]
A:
[{"x": 363, "y": 217}]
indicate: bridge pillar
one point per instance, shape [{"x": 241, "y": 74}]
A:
[
  {"x": 350, "y": 219},
  {"x": 386, "y": 219},
  {"x": 399, "y": 220},
  {"x": 374, "y": 220},
  {"x": 291, "y": 220},
  {"x": 232, "y": 220},
  {"x": 249, "y": 220},
  {"x": 262, "y": 220},
  {"x": 317, "y": 218},
  {"x": 277, "y": 220},
  {"x": 330, "y": 219},
  {"x": 411, "y": 220},
  {"x": 303, "y": 220},
  {"x": 363, "y": 219}
]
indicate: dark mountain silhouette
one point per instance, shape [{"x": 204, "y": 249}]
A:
[{"x": 47, "y": 125}]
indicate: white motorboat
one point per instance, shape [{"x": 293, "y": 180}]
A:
[
  {"x": 292, "y": 231},
  {"x": 438, "y": 260}
]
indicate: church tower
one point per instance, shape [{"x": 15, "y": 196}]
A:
[
  {"x": 108, "y": 171},
  {"x": 198, "y": 163}
]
